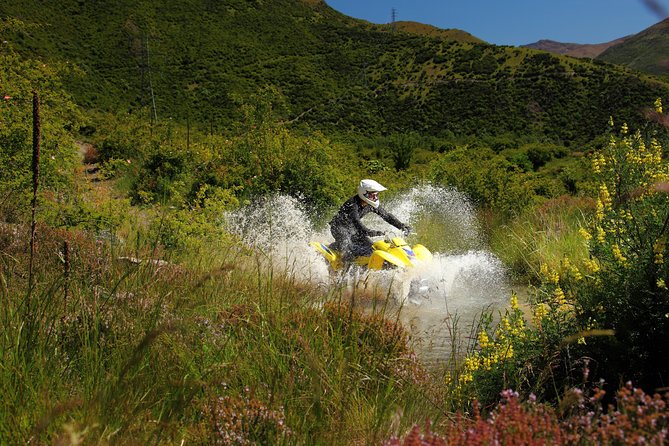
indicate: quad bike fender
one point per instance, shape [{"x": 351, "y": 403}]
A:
[
  {"x": 377, "y": 259},
  {"x": 330, "y": 255},
  {"x": 422, "y": 253},
  {"x": 381, "y": 245}
]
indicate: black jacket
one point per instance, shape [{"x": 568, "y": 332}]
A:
[{"x": 350, "y": 213}]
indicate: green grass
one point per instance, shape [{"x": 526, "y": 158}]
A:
[
  {"x": 544, "y": 235},
  {"x": 165, "y": 353}
]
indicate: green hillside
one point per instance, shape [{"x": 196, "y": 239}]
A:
[
  {"x": 191, "y": 58},
  {"x": 647, "y": 51},
  {"x": 433, "y": 31}
]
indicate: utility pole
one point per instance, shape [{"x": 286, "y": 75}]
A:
[
  {"x": 153, "y": 98},
  {"x": 393, "y": 18}
]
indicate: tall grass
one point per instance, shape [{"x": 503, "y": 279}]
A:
[
  {"x": 217, "y": 345},
  {"x": 542, "y": 236}
]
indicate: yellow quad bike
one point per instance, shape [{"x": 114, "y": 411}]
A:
[
  {"x": 392, "y": 252},
  {"x": 389, "y": 253}
]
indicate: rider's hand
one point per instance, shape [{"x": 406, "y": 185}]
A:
[{"x": 407, "y": 230}]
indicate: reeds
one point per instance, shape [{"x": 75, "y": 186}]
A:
[{"x": 153, "y": 351}]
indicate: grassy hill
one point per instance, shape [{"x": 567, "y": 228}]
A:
[
  {"x": 646, "y": 51},
  {"x": 433, "y": 31},
  {"x": 190, "y": 59},
  {"x": 574, "y": 49}
]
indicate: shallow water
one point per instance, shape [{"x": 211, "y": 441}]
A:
[{"x": 464, "y": 278}]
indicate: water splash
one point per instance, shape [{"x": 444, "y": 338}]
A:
[
  {"x": 279, "y": 227},
  {"x": 447, "y": 209},
  {"x": 465, "y": 278}
]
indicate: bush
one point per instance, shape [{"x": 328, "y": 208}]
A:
[
  {"x": 58, "y": 114},
  {"x": 610, "y": 304},
  {"x": 163, "y": 172},
  {"x": 402, "y": 148},
  {"x": 626, "y": 287},
  {"x": 637, "y": 418},
  {"x": 487, "y": 178}
]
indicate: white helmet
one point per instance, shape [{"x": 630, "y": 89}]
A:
[{"x": 368, "y": 191}]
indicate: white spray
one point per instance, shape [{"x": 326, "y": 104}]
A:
[{"x": 466, "y": 279}]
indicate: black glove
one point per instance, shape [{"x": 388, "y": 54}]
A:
[
  {"x": 406, "y": 229},
  {"x": 375, "y": 233}
]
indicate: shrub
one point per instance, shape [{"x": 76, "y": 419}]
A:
[
  {"x": 163, "y": 172},
  {"x": 611, "y": 303},
  {"x": 518, "y": 354},
  {"x": 58, "y": 115},
  {"x": 244, "y": 420},
  {"x": 636, "y": 418},
  {"x": 487, "y": 178},
  {"x": 402, "y": 148},
  {"x": 625, "y": 286}
]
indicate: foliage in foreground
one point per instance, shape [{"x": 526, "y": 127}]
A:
[
  {"x": 636, "y": 418},
  {"x": 115, "y": 346},
  {"x": 606, "y": 313}
]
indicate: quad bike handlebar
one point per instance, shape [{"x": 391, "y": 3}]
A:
[{"x": 389, "y": 235}]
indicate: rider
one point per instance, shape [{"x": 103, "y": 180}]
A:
[{"x": 351, "y": 236}]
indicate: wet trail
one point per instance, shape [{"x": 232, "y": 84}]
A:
[{"x": 465, "y": 279}]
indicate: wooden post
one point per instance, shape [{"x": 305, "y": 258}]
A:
[
  {"x": 66, "y": 271},
  {"x": 37, "y": 137}
]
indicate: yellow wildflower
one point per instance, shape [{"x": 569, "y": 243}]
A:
[
  {"x": 483, "y": 339},
  {"x": 448, "y": 379},
  {"x": 508, "y": 354},
  {"x": 566, "y": 264},
  {"x": 473, "y": 363},
  {"x": 598, "y": 162},
  {"x": 559, "y": 296},
  {"x": 585, "y": 234},
  {"x": 506, "y": 326},
  {"x": 658, "y": 105},
  {"x": 466, "y": 378},
  {"x": 624, "y": 129},
  {"x": 487, "y": 363},
  {"x": 514, "y": 301},
  {"x": 599, "y": 210},
  {"x": 554, "y": 277},
  {"x": 601, "y": 234},
  {"x": 658, "y": 250},
  {"x": 540, "y": 311},
  {"x": 518, "y": 329},
  {"x": 655, "y": 145},
  {"x": 661, "y": 285},
  {"x": 543, "y": 270},
  {"x": 617, "y": 254},
  {"x": 605, "y": 197},
  {"x": 591, "y": 265}
]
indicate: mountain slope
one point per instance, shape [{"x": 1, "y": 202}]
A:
[
  {"x": 432, "y": 31},
  {"x": 574, "y": 49},
  {"x": 646, "y": 51},
  {"x": 194, "y": 59}
]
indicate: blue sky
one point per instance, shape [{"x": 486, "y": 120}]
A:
[{"x": 518, "y": 22}]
